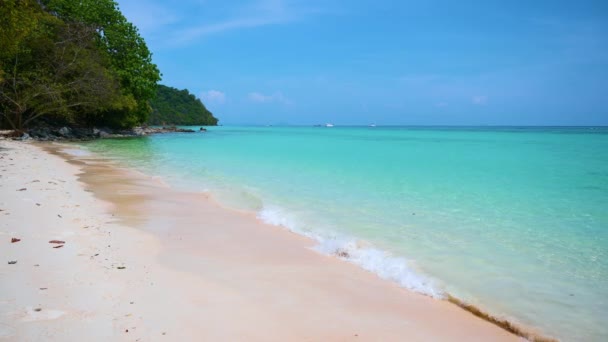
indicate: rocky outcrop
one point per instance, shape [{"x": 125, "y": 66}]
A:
[
  {"x": 169, "y": 129},
  {"x": 45, "y": 133}
]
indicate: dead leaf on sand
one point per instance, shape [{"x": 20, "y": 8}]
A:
[
  {"x": 22, "y": 189},
  {"x": 58, "y": 246},
  {"x": 57, "y": 241},
  {"x": 13, "y": 240}
]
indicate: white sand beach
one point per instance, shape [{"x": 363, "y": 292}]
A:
[{"x": 143, "y": 262}]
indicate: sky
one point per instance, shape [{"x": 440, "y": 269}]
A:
[{"x": 431, "y": 62}]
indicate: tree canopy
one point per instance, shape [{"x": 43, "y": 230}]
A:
[
  {"x": 80, "y": 62},
  {"x": 178, "y": 107}
]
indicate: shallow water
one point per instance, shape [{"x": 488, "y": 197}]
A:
[{"x": 513, "y": 220}]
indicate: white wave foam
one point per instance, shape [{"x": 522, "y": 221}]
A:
[
  {"x": 277, "y": 217},
  {"x": 383, "y": 264}
]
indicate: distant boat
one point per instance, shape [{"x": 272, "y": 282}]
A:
[
  {"x": 329, "y": 125},
  {"x": 372, "y": 125}
]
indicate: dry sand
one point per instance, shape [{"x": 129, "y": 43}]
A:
[{"x": 193, "y": 271}]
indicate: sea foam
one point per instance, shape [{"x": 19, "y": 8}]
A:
[{"x": 382, "y": 263}]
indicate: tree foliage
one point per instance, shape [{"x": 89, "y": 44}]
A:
[
  {"x": 129, "y": 55},
  {"x": 178, "y": 107},
  {"x": 78, "y": 61}
]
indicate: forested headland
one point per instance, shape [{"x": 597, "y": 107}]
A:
[
  {"x": 178, "y": 107},
  {"x": 78, "y": 63}
]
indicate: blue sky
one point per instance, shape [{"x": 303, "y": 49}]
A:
[{"x": 389, "y": 62}]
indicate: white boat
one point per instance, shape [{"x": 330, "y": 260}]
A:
[
  {"x": 372, "y": 125},
  {"x": 329, "y": 125}
]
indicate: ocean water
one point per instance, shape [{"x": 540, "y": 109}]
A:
[{"x": 512, "y": 220}]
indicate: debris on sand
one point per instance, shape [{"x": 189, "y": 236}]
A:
[
  {"x": 13, "y": 240},
  {"x": 57, "y": 241},
  {"x": 342, "y": 253},
  {"x": 12, "y": 262}
]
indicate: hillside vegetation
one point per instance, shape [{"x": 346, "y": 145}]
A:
[
  {"x": 74, "y": 62},
  {"x": 178, "y": 107}
]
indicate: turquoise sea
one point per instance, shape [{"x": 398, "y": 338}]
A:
[{"x": 511, "y": 219}]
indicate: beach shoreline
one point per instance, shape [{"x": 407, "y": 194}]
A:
[{"x": 195, "y": 269}]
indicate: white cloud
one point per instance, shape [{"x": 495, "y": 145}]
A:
[
  {"x": 213, "y": 96},
  {"x": 259, "y": 97},
  {"x": 196, "y": 32},
  {"x": 274, "y": 98},
  {"x": 259, "y": 13},
  {"x": 479, "y": 100}
]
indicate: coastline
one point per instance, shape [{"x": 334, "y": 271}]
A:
[
  {"x": 66, "y": 133},
  {"x": 212, "y": 272}
]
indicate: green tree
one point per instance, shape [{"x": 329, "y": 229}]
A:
[
  {"x": 49, "y": 67},
  {"x": 130, "y": 58},
  {"x": 178, "y": 107},
  {"x": 78, "y": 61}
]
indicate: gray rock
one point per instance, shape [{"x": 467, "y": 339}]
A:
[
  {"x": 39, "y": 133},
  {"x": 81, "y": 133},
  {"x": 139, "y": 131},
  {"x": 25, "y": 136},
  {"x": 65, "y": 132}
]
